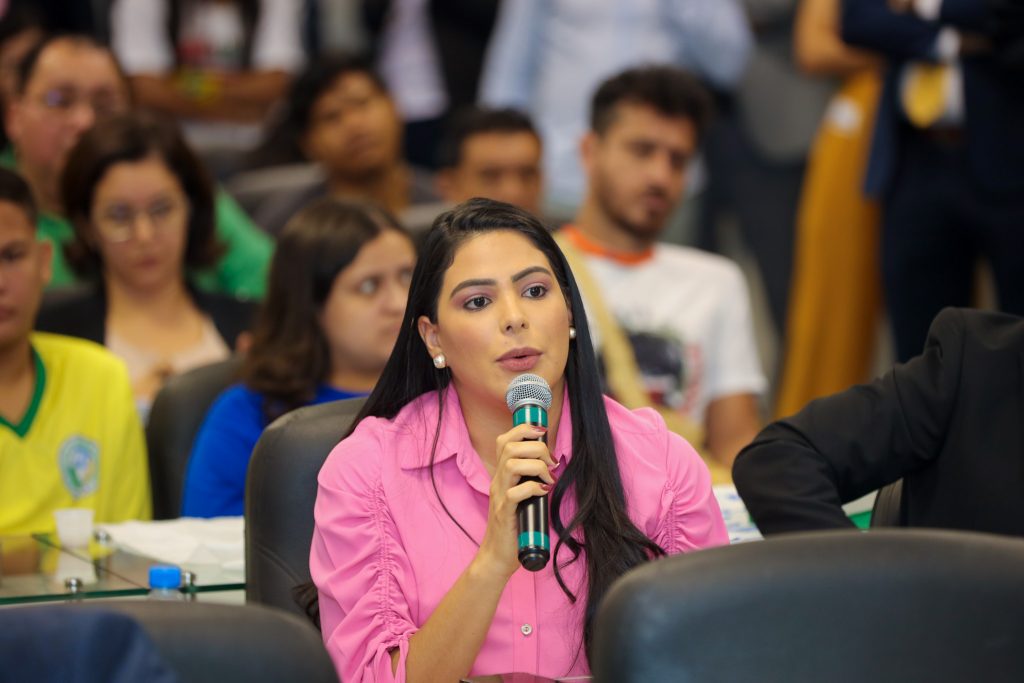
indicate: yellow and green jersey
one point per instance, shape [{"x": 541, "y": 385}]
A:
[{"x": 79, "y": 443}]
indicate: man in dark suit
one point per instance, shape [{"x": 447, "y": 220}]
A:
[
  {"x": 950, "y": 423},
  {"x": 948, "y": 154}
]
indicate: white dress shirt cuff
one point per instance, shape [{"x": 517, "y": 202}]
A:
[{"x": 947, "y": 45}]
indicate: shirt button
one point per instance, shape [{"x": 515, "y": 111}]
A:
[{"x": 526, "y": 629}]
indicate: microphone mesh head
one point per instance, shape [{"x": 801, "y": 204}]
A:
[{"x": 528, "y": 388}]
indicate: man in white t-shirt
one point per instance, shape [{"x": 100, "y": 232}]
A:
[{"x": 685, "y": 312}]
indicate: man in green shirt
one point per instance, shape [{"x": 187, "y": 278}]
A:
[{"x": 63, "y": 86}]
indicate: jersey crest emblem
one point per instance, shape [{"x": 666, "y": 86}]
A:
[{"x": 79, "y": 462}]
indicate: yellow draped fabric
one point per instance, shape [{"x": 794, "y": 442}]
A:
[{"x": 835, "y": 300}]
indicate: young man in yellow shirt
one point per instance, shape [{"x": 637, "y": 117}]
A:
[{"x": 69, "y": 433}]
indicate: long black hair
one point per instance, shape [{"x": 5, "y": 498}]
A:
[{"x": 601, "y": 526}]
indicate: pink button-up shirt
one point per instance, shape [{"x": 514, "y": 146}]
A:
[{"x": 385, "y": 552}]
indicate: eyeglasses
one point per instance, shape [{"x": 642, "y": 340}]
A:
[
  {"x": 63, "y": 101},
  {"x": 119, "y": 223}
]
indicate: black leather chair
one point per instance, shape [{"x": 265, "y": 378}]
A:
[
  {"x": 174, "y": 420},
  {"x": 280, "y": 490},
  {"x": 887, "y": 509},
  {"x": 199, "y": 642},
  {"x": 901, "y": 605}
]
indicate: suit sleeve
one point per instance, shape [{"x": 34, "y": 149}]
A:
[
  {"x": 966, "y": 14},
  {"x": 872, "y": 25},
  {"x": 799, "y": 471}
]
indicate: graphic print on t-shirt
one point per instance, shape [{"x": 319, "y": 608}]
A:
[{"x": 671, "y": 369}]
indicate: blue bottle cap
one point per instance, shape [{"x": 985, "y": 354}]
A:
[{"x": 164, "y": 576}]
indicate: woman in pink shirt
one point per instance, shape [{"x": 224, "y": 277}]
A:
[{"x": 415, "y": 547}]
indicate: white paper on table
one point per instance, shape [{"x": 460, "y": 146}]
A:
[
  {"x": 737, "y": 520},
  {"x": 186, "y": 541}
]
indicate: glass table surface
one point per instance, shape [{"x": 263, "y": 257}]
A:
[
  {"x": 37, "y": 568},
  {"x": 135, "y": 568},
  {"x": 33, "y": 570}
]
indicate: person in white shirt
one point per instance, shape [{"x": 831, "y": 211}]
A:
[
  {"x": 220, "y": 66},
  {"x": 685, "y": 312}
]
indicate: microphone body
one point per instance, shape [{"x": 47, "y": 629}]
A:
[{"x": 529, "y": 398}]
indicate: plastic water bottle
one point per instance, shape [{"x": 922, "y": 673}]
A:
[{"x": 165, "y": 583}]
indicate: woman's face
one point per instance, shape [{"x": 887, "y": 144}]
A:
[
  {"x": 363, "y": 311},
  {"x": 140, "y": 224},
  {"x": 500, "y": 313}
]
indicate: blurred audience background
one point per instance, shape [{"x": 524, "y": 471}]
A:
[{"x": 862, "y": 166}]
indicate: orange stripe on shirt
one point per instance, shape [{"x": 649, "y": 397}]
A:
[{"x": 592, "y": 248}]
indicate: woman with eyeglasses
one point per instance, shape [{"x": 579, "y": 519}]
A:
[{"x": 142, "y": 208}]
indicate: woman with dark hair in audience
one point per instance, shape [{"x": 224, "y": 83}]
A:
[
  {"x": 338, "y": 285},
  {"x": 414, "y": 550},
  {"x": 142, "y": 208}
]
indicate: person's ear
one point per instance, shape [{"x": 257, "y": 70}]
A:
[
  {"x": 588, "y": 150},
  {"x": 429, "y": 335}
]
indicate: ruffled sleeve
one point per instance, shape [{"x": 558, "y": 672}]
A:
[
  {"x": 358, "y": 563},
  {"x": 691, "y": 517}
]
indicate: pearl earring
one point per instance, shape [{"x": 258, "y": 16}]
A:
[
  {"x": 572, "y": 332},
  {"x": 440, "y": 361}
]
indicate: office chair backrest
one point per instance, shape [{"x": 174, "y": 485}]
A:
[
  {"x": 889, "y": 605},
  {"x": 280, "y": 491},
  {"x": 199, "y": 642},
  {"x": 174, "y": 420},
  {"x": 887, "y": 510}
]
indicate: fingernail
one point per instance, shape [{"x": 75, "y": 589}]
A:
[
  {"x": 538, "y": 428},
  {"x": 546, "y": 487}
]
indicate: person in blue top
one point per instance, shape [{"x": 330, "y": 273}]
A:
[{"x": 338, "y": 284}]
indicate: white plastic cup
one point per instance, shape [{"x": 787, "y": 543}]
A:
[{"x": 74, "y": 526}]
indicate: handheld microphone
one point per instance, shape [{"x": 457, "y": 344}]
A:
[{"x": 529, "y": 398}]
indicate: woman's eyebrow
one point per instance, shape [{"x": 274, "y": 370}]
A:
[
  {"x": 530, "y": 271},
  {"x": 472, "y": 283},
  {"x": 487, "y": 282}
]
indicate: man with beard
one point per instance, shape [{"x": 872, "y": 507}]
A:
[{"x": 646, "y": 125}]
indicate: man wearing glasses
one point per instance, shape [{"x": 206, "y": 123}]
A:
[{"x": 63, "y": 85}]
